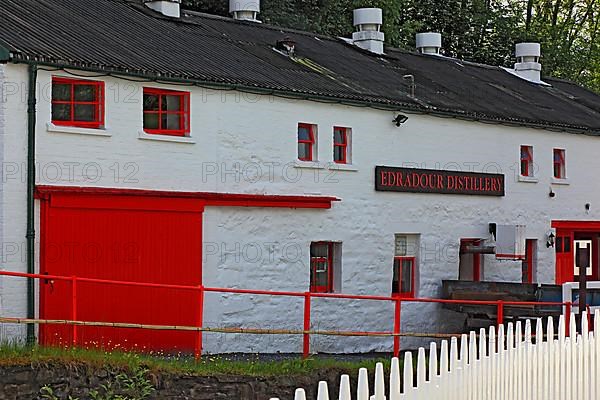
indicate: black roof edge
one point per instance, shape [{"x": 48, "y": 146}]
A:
[{"x": 383, "y": 105}]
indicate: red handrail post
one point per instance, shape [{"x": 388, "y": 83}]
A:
[
  {"x": 306, "y": 336},
  {"x": 200, "y": 323},
  {"x": 568, "y": 307},
  {"x": 500, "y": 314},
  {"x": 397, "y": 314},
  {"x": 74, "y": 308}
]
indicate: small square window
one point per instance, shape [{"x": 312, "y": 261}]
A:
[
  {"x": 341, "y": 145},
  {"x": 559, "y": 164},
  {"x": 307, "y": 142},
  {"x": 77, "y": 102},
  {"x": 526, "y": 160},
  {"x": 166, "y": 112}
]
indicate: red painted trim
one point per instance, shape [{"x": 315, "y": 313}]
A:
[
  {"x": 577, "y": 225},
  {"x": 183, "y": 112},
  {"x": 310, "y": 142},
  {"x": 343, "y": 145},
  {"x": 400, "y": 294},
  {"x": 210, "y": 199},
  {"x": 98, "y": 102}
]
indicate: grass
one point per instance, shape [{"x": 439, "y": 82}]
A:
[{"x": 13, "y": 355}]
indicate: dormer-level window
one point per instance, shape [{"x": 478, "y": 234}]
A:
[
  {"x": 307, "y": 142},
  {"x": 560, "y": 171},
  {"x": 166, "y": 112},
  {"x": 526, "y": 160},
  {"x": 341, "y": 139},
  {"x": 77, "y": 102}
]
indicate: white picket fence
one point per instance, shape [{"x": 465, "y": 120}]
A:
[{"x": 506, "y": 365}]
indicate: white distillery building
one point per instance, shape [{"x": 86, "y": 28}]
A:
[{"x": 175, "y": 147}]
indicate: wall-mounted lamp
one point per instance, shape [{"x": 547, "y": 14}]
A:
[
  {"x": 587, "y": 207},
  {"x": 400, "y": 119},
  {"x": 550, "y": 239},
  {"x": 551, "y": 194}
]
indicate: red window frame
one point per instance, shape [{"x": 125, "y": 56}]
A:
[
  {"x": 559, "y": 171},
  {"x": 526, "y": 160},
  {"x": 343, "y": 145},
  {"x": 310, "y": 141},
  {"x": 397, "y": 291},
  {"x": 98, "y": 102},
  {"x": 183, "y": 112},
  {"x": 314, "y": 262}
]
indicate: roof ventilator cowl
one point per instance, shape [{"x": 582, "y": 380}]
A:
[
  {"x": 168, "y": 8},
  {"x": 368, "y": 35},
  {"x": 429, "y": 43},
  {"x": 245, "y": 10}
]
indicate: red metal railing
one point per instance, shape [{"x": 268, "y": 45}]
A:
[{"x": 307, "y": 296}]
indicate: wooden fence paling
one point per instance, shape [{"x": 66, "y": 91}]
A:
[{"x": 504, "y": 364}]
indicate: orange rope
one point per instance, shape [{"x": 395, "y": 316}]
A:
[{"x": 250, "y": 331}]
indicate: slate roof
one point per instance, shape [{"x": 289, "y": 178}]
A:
[{"x": 123, "y": 36}]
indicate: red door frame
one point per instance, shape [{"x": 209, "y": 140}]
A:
[
  {"x": 565, "y": 260},
  {"x": 313, "y": 265},
  {"x": 529, "y": 256},
  {"x": 400, "y": 293}
]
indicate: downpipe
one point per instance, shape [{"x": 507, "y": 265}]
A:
[{"x": 30, "y": 235}]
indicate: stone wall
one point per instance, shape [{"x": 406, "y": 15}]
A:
[{"x": 25, "y": 382}]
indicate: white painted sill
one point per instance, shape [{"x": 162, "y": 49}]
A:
[
  {"x": 308, "y": 164},
  {"x": 565, "y": 181},
  {"x": 342, "y": 167},
  {"x": 528, "y": 179},
  {"x": 50, "y": 127},
  {"x": 166, "y": 138}
]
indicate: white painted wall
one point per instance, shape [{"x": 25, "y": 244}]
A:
[
  {"x": 246, "y": 132},
  {"x": 13, "y": 134}
]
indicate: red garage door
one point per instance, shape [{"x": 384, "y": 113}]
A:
[{"x": 125, "y": 238}]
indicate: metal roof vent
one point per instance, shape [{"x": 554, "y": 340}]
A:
[
  {"x": 429, "y": 43},
  {"x": 368, "y": 23},
  {"x": 528, "y": 61},
  {"x": 168, "y": 8},
  {"x": 244, "y": 10}
]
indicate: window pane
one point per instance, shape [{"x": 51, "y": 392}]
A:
[
  {"x": 339, "y": 137},
  {"x": 524, "y": 167},
  {"x": 557, "y": 171},
  {"x": 171, "y": 103},
  {"x": 85, "y": 93},
  {"x": 61, "y": 92},
  {"x": 557, "y": 154},
  {"x": 85, "y": 112},
  {"x": 61, "y": 112},
  {"x": 339, "y": 153},
  {"x": 406, "y": 285},
  {"x": 150, "y": 121},
  {"x": 303, "y": 133},
  {"x": 319, "y": 250},
  {"x": 558, "y": 245},
  {"x": 171, "y": 121},
  {"x": 567, "y": 244},
  {"x": 304, "y": 152},
  {"x": 396, "y": 277},
  {"x": 400, "y": 245},
  {"x": 150, "y": 102}
]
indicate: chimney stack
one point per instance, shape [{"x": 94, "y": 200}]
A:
[
  {"x": 245, "y": 10},
  {"x": 528, "y": 61},
  {"x": 368, "y": 23},
  {"x": 429, "y": 43},
  {"x": 168, "y": 8}
]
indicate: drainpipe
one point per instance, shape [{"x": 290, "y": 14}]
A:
[{"x": 31, "y": 121}]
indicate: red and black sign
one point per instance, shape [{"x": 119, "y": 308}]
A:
[{"x": 414, "y": 180}]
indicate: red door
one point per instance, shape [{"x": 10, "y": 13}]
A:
[
  {"x": 126, "y": 238},
  {"x": 563, "y": 245}
]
